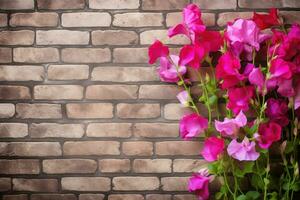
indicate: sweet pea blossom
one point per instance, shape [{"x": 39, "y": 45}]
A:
[
  {"x": 268, "y": 133},
  {"x": 183, "y": 98},
  {"x": 157, "y": 50},
  {"x": 192, "y": 125},
  {"x": 257, "y": 78},
  {"x": 192, "y": 55},
  {"x": 264, "y": 21},
  {"x": 198, "y": 184},
  {"x": 277, "y": 110},
  {"x": 213, "y": 147},
  {"x": 244, "y": 151},
  {"x": 239, "y": 98},
  {"x": 168, "y": 72}
]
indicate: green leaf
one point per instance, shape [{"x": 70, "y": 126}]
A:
[
  {"x": 296, "y": 186},
  {"x": 242, "y": 197},
  {"x": 257, "y": 182},
  {"x": 202, "y": 98},
  {"x": 289, "y": 147},
  {"x": 266, "y": 181},
  {"x": 219, "y": 195},
  {"x": 274, "y": 196},
  {"x": 252, "y": 195},
  {"x": 212, "y": 100},
  {"x": 247, "y": 167}
]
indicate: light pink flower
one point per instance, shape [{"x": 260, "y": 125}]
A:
[
  {"x": 213, "y": 147},
  {"x": 157, "y": 50},
  {"x": 167, "y": 70},
  {"x": 183, "y": 98},
  {"x": 244, "y": 151},
  {"x": 192, "y": 125},
  {"x": 198, "y": 184},
  {"x": 268, "y": 133}
]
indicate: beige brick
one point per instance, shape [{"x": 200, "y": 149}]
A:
[
  {"x": 92, "y": 148},
  {"x": 36, "y": 19},
  {"x": 216, "y": 4},
  {"x": 30, "y": 149},
  {"x": 164, "y": 5},
  {"x": 158, "y": 91},
  {"x": 16, "y": 197},
  {"x": 68, "y": 72},
  {"x": 138, "y": 19},
  {"x": 69, "y": 166},
  {"x": 36, "y": 55},
  {"x": 120, "y": 130},
  {"x": 86, "y": 183},
  {"x": 53, "y": 197},
  {"x": 139, "y": 148},
  {"x": 7, "y": 110},
  {"x": 125, "y": 110},
  {"x": 35, "y": 185},
  {"x": 175, "y": 111},
  {"x": 224, "y": 18},
  {"x": 23, "y": 37},
  {"x": 58, "y": 92},
  {"x": 124, "y": 74},
  {"x": 174, "y": 183},
  {"x": 152, "y": 166},
  {"x": 114, "y": 37},
  {"x": 55, "y": 130},
  {"x": 86, "y": 55},
  {"x": 5, "y": 185},
  {"x": 127, "y": 183},
  {"x": 114, "y": 165},
  {"x": 11, "y": 92},
  {"x": 16, "y": 4},
  {"x": 21, "y": 73},
  {"x": 62, "y": 37},
  {"x": 90, "y": 110},
  {"x": 178, "y": 148},
  {"x": 188, "y": 165},
  {"x": 124, "y": 55},
  {"x": 185, "y": 197},
  {"x": 3, "y": 20},
  {"x": 60, "y": 4},
  {"x": 86, "y": 19},
  {"x": 291, "y": 17},
  {"x": 5, "y": 55},
  {"x": 260, "y": 3},
  {"x": 38, "y": 111},
  {"x": 158, "y": 197},
  {"x": 175, "y": 18},
  {"x": 155, "y": 130},
  {"x": 125, "y": 197},
  {"x": 148, "y": 37},
  {"x": 13, "y": 130},
  {"x": 114, "y": 4},
  {"x": 91, "y": 197},
  {"x": 19, "y": 166},
  {"x": 291, "y": 3},
  {"x": 111, "y": 92}
]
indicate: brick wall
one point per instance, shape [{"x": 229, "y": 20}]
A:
[{"x": 82, "y": 115}]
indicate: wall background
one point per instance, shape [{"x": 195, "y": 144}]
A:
[{"x": 82, "y": 114}]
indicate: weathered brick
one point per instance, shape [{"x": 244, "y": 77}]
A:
[
  {"x": 155, "y": 130},
  {"x": 216, "y": 4},
  {"x": 20, "y": 166},
  {"x": 127, "y": 183},
  {"x": 36, "y": 55},
  {"x": 175, "y": 18},
  {"x": 125, "y": 110},
  {"x": 62, "y": 37},
  {"x": 125, "y": 197},
  {"x": 174, "y": 183},
  {"x": 69, "y": 166},
  {"x": 3, "y": 20},
  {"x": 22, "y": 37},
  {"x": 139, "y": 148},
  {"x": 91, "y": 197},
  {"x": 224, "y": 18},
  {"x": 5, "y": 55},
  {"x": 114, "y": 165},
  {"x": 16, "y": 197},
  {"x": 148, "y": 37},
  {"x": 260, "y": 3},
  {"x": 188, "y": 165},
  {"x": 16, "y": 4},
  {"x": 21, "y": 73},
  {"x": 291, "y": 17},
  {"x": 90, "y": 110},
  {"x": 185, "y": 197},
  {"x": 13, "y": 130},
  {"x": 120, "y": 130},
  {"x": 158, "y": 91},
  {"x": 158, "y": 197},
  {"x": 86, "y": 55},
  {"x": 30, "y": 149},
  {"x": 114, "y": 37},
  {"x": 7, "y": 110},
  {"x": 164, "y": 5},
  {"x": 35, "y": 185},
  {"x": 11, "y": 92},
  {"x": 55, "y": 130},
  {"x": 86, "y": 19},
  {"x": 68, "y": 72},
  {"x": 291, "y": 3},
  {"x": 38, "y": 111},
  {"x": 178, "y": 148},
  {"x": 114, "y": 4},
  {"x": 60, "y": 4},
  {"x": 138, "y": 19},
  {"x": 36, "y": 19},
  {"x": 92, "y": 148},
  {"x": 53, "y": 197},
  {"x": 86, "y": 183},
  {"x": 58, "y": 92},
  {"x": 175, "y": 111},
  {"x": 152, "y": 166},
  {"x": 124, "y": 55},
  {"x": 5, "y": 185},
  {"x": 111, "y": 92}
]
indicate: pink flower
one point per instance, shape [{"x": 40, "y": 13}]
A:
[
  {"x": 199, "y": 183},
  {"x": 268, "y": 133},
  {"x": 157, "y": 50},
  {"x": 230, "y": 127},
  {"x": 277, "y": 111},
  {"x": 168, "y": 72},
  {"x": 213, "y": 147},
  {"x": 244, "y": 151},
  {"x": 257, "y": 78},
  {"x": 281, "y": 69},
  {"x": 192, "y": 125},
  {"x": 264, "y": 21},
  {"x": 192, "y": 55},
  {"x": 239, "y": 98},
  {"x": 183, "y": 98},
  {"x": 297, "y": 96}
]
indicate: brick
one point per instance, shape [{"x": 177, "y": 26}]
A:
[
  {"x": 175, "y": 18},
  {"x": 188, "y": 165},
  {"x": 138, "y": 19},
  {"x": 68, "y": 72},
  {"x": 216, "y": 4},
  {"x": 21, "y": 73},
  {"x": 114, "y": 4},
  {"x": 91, "y": 197},
  {"x": 3, "y": 20},
  {"x": 30, "y": 149},
  {"x": 119, "y": 130},
  {"x": 62, "y": 37},
  {"x": 139, "y": 148},
  {"x": 103, "y": 92},
  {"x": 92, "y": 148},
  {"x": 90, "y": 110},
  {"x": 155, "y": 130},
  {"x": 291, "y": 3},
  {"x": 13, "y": 130},
  {"x": 158, "y": 91},
  {"x": 124, "y": 55},
  {"x": 260, "y": 4},
  {"x": 56, "y": 92},
  {"x": 16, "y": 197},
  {"x": 231, "y": 16},
  {"x": 22, "y": 37},
  {"x": 152, "y": 165},
  {"x": 164, "y": 5},
  {"x": 36, "y": 19},
  {"x": 7, "y": 110},
  {"x": 60, "y": 4},
  {"x": 11, "y": 92},
  {"x": 35, "y": 185},
  {"x": 5, "y": 185},
  {"x": 38, "y": 111},
  {"x": 125, "y": 110},
  {"x": 124, "y": 74},
  {"x": 185, "y": 197},
  {"x": 55, "y": 130},
  {"x": 5, "y": 55},
  {"x": 114, "y": 37},
  {"x": 19, "y": 166},
  {"x": 86, "y": 55},
  {"x": 148, "y": 37},
  {"x": 114, "y": 165},
  {"x": 53, "y": 197},
  {"x": 16, "y": 4},
  {"x": 291, "y": 17},
  {"x": 125, "y": 197},
  {"x": 174, "y": 183},
  {"x": 158, "y": 197},
  {"x": 86, "y": 19},
  {"x": 175, "y": 111},
  {"x": 127, "y": 183},
  {"x": 70, "y": 166},
  {"x": 172, "y": 148},
  {"x": 86, "y": 183},
  {"x": 36, "y": 55}
]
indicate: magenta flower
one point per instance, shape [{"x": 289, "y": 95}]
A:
[
  {"x": 168, "y": 72},
  {"x": 157, "y": 50},
  {"x": 239, "y": 98},
  {"x": 264, "y": 21},
  {"x": 268, "y": 133},
  {"x": 199, "y": 183},
  {"x": 183, "y": 98},
  {"x": 257, "y": 78},
  {"x": 277, "y": 111},
  {"x": 244, "y": 151},
  {"x": 192, "y": 125},
  {"x": 213, "y": 147},
  {"x": 281, "y": 69},
  {"x": 297, "y": 96},
  {"x": 230, "y": 127},
  {"x": 192, "y": 55}
]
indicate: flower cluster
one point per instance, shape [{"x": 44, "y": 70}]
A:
[{"x": 255, "y": 67}]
